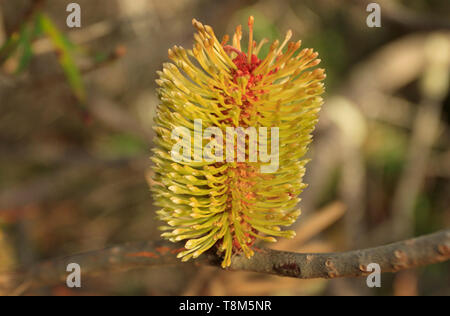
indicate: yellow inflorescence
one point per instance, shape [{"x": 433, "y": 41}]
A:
[{"x": 231, "y": 204}]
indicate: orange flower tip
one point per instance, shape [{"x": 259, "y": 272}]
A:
[
  {"x": 225, "y": 40},
  {"x": 274, "y": 44},
  {"x": 318, "y": 72},
  {"x": 251, "y": 21},
  {"x": 196, "y": 24},
  {"x": 316, "y": 62},
  {"x": 289, "y": 34}
]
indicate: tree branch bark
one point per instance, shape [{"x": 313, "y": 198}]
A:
[{"x": 398, "y": 256}]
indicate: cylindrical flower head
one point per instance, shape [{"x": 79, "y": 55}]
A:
[{"x": 229, "y": 204}]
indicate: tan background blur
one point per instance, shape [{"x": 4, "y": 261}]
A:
[{"x": 73, "y": 178}]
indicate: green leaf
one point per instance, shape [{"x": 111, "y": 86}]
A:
[
  {"x": 24, "y": 45},
  {"x": 30, "y": 32},
  {"x": 22, "y": 41},
  {"x": 64, "y": 49}
]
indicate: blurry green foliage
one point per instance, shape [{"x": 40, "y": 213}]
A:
[
  {"x": 28, "y": 31},
  {"x": 120, "y": 145},
  {"x": 20, "y": 44},
  {"x": 386, "y": 150},
  {"x": 65, "y": 50},
  {"x": 329, "y": 192},
  {"x": 333, "y": 53},
  {"x": 424, "y": 216}
]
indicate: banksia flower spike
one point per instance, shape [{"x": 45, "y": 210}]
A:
[{"x": 231, "y": 204}]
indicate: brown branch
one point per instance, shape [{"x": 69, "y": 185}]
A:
[
  {"x": 398, "y": 256},
  {"x": 407, "y": 254}
]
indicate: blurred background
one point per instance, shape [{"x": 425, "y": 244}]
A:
[{"x": 76, "y": 113}]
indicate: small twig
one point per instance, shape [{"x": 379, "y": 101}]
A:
[{"x": 391, "y": 258}]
